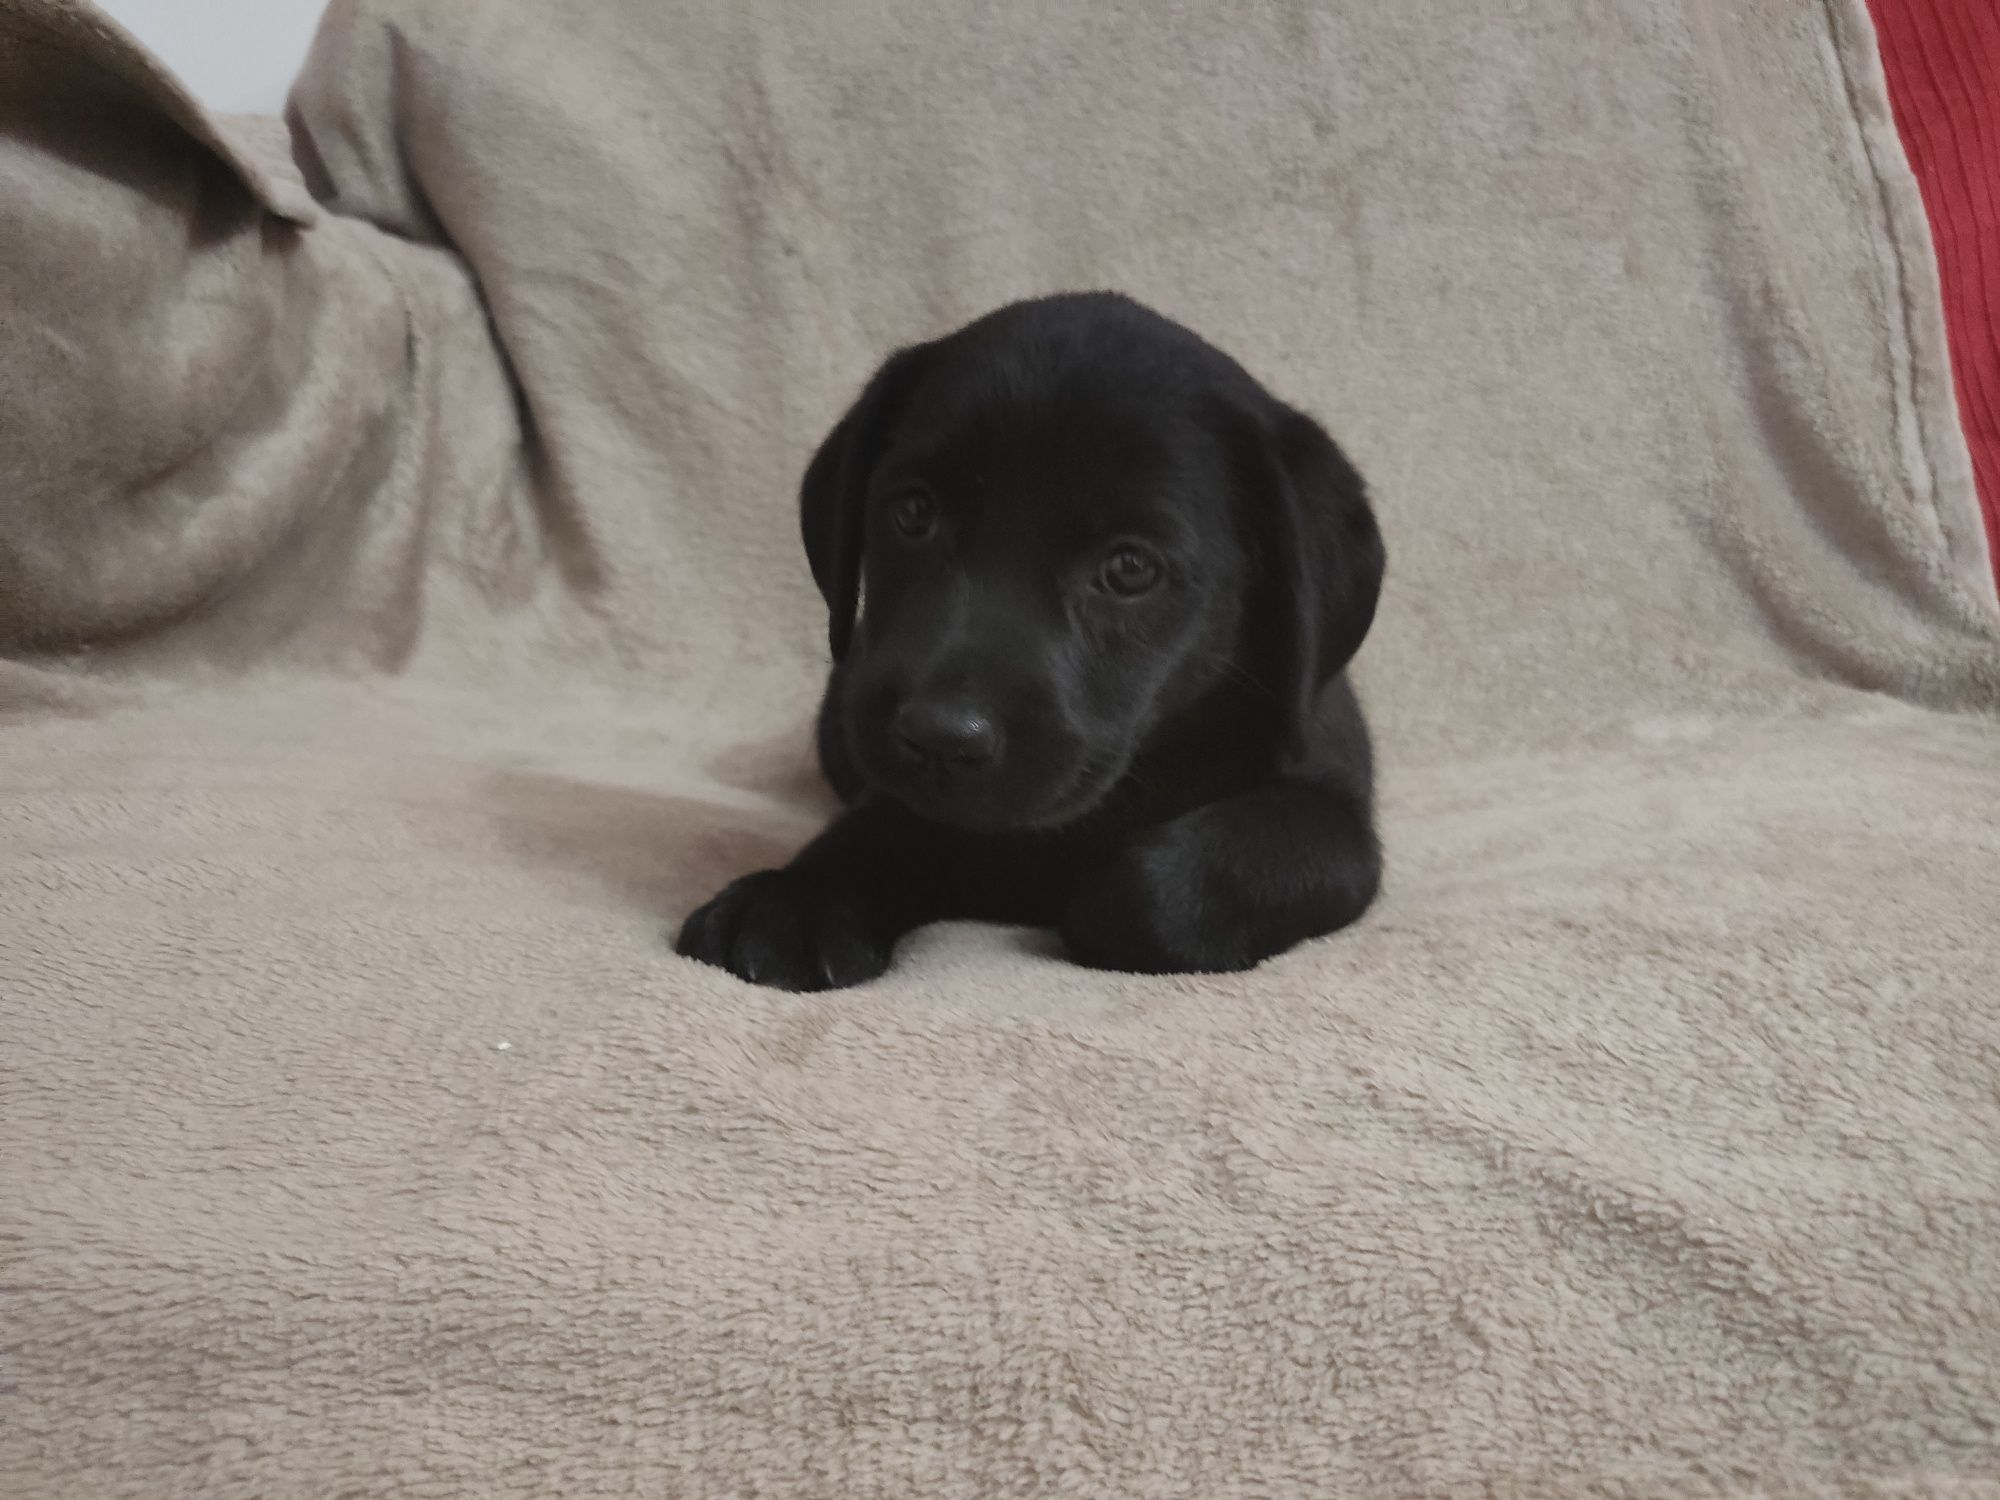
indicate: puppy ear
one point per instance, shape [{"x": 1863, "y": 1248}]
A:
[
  {"x": 833, "y": 494},
  {"x": 1321, "y": 553}
]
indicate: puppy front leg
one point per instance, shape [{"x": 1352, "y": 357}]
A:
[
  {"x": 1229, "y": 884},
  {"x": 829, "y": 918}
]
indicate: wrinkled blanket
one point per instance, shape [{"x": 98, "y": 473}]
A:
[{"x": 402, "y": 624}]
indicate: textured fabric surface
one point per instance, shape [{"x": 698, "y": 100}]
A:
[
  {"x": 1942, "y": 62},
  {"x": 405, "y": 626}
]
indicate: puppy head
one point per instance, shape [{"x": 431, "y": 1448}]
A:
[{"x": 1043, "y": 538}]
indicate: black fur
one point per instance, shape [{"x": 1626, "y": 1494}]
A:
[{"x": 1091, "y": 594}]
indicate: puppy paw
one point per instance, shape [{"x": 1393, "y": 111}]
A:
[
  {"x": 1152, "y": 911},
  {"x": 780, "y": 930}
]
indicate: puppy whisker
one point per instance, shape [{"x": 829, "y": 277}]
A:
[{"x": 1233, "y": 670}]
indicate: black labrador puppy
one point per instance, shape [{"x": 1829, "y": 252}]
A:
[{"x": 1092, "y": 592}]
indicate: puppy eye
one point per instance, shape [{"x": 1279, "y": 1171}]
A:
[
  {"x": 914, "y": 515},
  {"x": 1128, "y": 572}
]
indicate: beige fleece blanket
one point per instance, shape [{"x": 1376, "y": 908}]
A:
[{"x": 403, "y": 626}]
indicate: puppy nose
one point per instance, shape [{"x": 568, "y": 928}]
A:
[{"x": 946, "y": 732}]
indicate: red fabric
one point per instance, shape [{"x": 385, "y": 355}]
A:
[{"x": 1942, "y": 59}]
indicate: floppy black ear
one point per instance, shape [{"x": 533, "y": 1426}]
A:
[
  {"x": 832, "y": 496},
  {"x": 1321, "y": 551}
]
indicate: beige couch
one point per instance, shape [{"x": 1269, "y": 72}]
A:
[{"x": 404, "y": 625}]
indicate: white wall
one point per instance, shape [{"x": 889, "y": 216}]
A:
[{"x": 238, "y": 56}]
